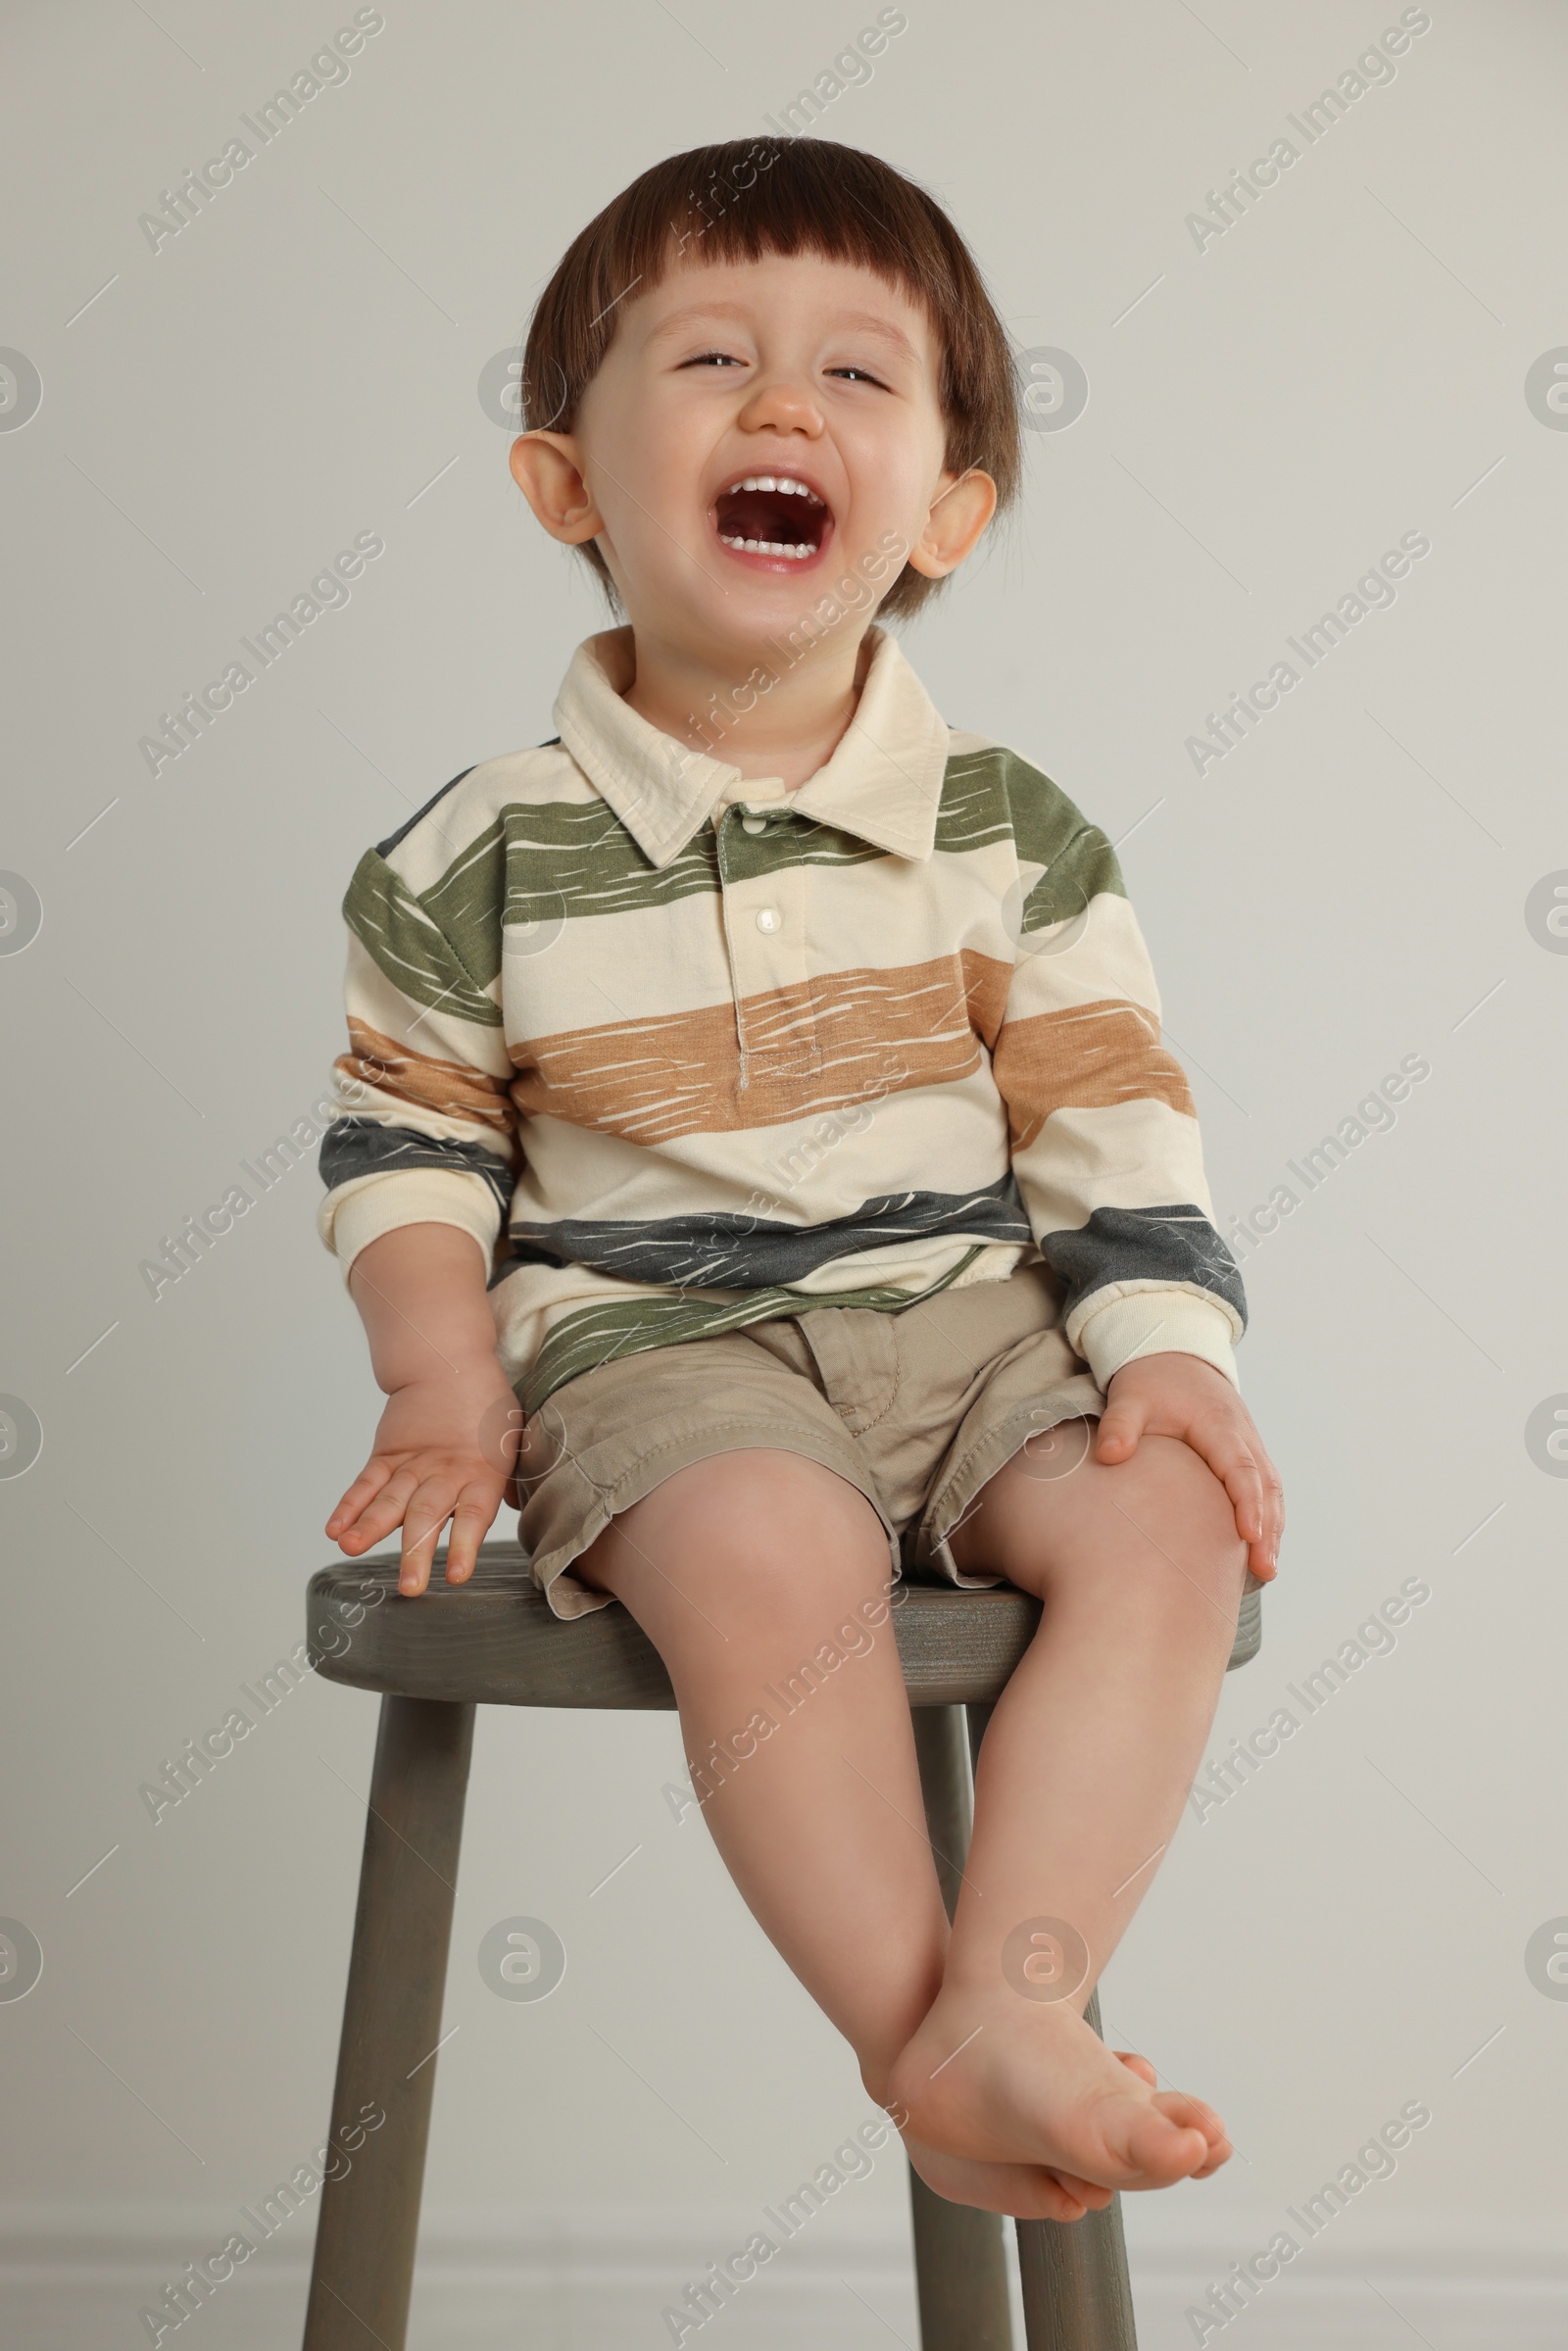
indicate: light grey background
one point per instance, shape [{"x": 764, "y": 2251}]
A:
[{"x": 1265, "y": 416}]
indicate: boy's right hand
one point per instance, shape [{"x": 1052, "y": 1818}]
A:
[{"x": 444, "y": 1449}]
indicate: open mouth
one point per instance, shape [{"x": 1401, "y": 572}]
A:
[{"x": 775, "y": 516}]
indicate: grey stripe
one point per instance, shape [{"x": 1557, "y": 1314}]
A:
[
  {"x": 384, "y": 849},
  {"x": 718, "y": 1252},
  {"x": 361, "y": 1147},
  {"x": 1175, "y": 1244}
]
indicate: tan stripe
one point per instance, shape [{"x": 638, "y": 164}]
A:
[
  {"x": 823, "y": 1045},
  {"x": 987, "y": 984},
  {"x": 1086, "y": 1057},
  {"x": 453, "y": 1087}
]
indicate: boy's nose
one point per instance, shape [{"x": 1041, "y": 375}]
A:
[{"x": 781, "y": 406}]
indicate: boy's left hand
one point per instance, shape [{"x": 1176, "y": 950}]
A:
[{"x": 1182, "y": 1395}]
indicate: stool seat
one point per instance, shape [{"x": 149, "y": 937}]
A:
[{"x": 496, "y": 1641}]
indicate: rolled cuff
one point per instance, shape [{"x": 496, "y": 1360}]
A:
[
  {"x": 1155, "y": 1319},
  {"x": 357, "y": 1214}
]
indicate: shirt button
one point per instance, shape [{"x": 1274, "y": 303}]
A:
[
  {"x": 769, "y": 918},
  {"x": 754, "y": 824}
]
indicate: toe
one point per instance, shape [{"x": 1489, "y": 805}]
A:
[
  {"x": 1023, "y": 2191},
  {"x": 1138, "y": 2066},
  {"x": 1190, "y": 2114},
  {"x": 1164, "y": 2147},
  {"x": 1208, "y": 2122},
  {"x": 1091, "y": 2194},
  {"x": 1047, "y": 2198}
]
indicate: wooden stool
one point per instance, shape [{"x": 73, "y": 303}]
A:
[{"x": 494, "y": 1641}]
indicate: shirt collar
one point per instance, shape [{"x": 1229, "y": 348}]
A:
[{"x": 883, "y": 782}]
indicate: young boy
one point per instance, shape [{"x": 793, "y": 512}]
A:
[{"x": 765, "y": 1105}]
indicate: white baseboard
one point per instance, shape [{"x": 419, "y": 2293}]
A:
[{"x": 585, "y": 2287}]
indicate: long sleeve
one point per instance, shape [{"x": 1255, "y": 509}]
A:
[
  {"x": 426, "y": 1131},
  {"x": 1105, "y": 1138}
]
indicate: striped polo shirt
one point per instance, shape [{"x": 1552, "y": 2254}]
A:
[{"x": 684, "y": 1050}]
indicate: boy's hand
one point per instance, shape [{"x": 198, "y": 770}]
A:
[
  {"x": 1182, "y": 1395},
  {"x": 444, "y": 1449}
]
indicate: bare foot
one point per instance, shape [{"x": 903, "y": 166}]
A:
[
  {"x": 1024, "y": 2191},
  {"x": 993, "y": 2078}
]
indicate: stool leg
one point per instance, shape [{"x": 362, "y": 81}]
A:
[
  {"x": 1076, "y": 2294},
  {"x": 363, "y": 2273},
  {"x": 960, "y": 2254}
]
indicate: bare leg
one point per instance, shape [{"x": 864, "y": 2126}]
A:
[
  {"x": 741, "y": 1569},
  {"x": 1084, "y": 1768}
]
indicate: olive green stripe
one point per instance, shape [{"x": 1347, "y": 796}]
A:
[
  {"x": 466, "y": 902},
  {"x": 994, "y": 795},
  {"x": 554, "y": 862},
  {"x": 410, "y": 948},
  {"x": 547, "y": 864},
  {"x": 1082, "y": 870},
  {"x": 597, "y": 1335},
  {"x": 974, "y": 810}
]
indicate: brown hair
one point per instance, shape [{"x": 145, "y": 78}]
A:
[{"x": 741, "y": 199}]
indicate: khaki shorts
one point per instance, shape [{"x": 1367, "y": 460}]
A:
[{"x": 915, "y": 1408}]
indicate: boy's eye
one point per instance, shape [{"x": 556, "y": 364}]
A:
[{"x": 727, "y": 359}]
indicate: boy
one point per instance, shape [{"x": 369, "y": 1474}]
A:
[{"x": 809, "y": 1053}]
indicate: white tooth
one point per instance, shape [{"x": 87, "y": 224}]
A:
[
  {"x": 750, "y": 483},
  {"x": 763, "y": 481}
]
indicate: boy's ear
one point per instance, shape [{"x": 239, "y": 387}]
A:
[
  {"x": 547, "y": 470},
  {"x": 963, "y": 505}
]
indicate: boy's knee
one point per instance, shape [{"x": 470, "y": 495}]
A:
[
  {"x": 1180, "y": 1481},
  {"x": 1162, "y": 1514},
  {"x": 1189, "y": 1521}
]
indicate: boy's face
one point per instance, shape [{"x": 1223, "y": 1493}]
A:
[{"x": 812, "y": 380}]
